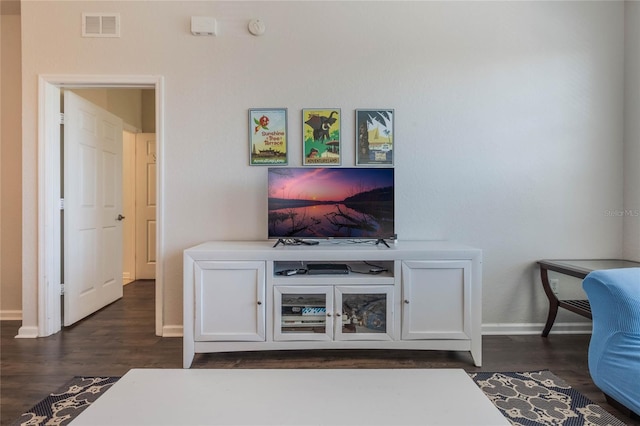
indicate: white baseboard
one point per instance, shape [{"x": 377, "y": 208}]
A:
[
  {"x": 172, "y": 331},
  {"x": 10, "y": 315},
  {"x": 487, "y": 329},
  {"x": 497, "y": 329},
  {"x": 535, "y": 328},
  {"x": 27, "y": 333}
]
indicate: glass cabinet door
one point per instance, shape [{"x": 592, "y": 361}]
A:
[
  {"x": 303, "y": 313},
  {"x": 364, "y": 312}
]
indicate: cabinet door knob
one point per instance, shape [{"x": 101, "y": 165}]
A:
[
  {"x": 337, "y": 314},
  {"x": 259, "y": 302},
  {"x": 328, "y": 314},
  {"x": 406, "y": 301}
]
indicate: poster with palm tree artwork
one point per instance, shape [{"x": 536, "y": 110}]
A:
[
  {"x": 321, "y": 136},
  {"x": 374, "y": 137}
]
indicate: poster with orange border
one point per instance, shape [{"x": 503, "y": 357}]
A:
[
  {"x": 268, "y": 137},
  {"x": 321, "y": 137}
]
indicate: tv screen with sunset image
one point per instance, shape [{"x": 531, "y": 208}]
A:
[{"x": 321, "y": 203}]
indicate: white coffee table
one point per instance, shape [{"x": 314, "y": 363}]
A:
[{"x": 293, "y": 397}]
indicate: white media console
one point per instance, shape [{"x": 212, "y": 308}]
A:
[{"x": 251, "y": 296}]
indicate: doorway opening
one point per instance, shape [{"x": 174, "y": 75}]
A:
[
  {"x": 87, "y": 113},
  {"x": 50, "y": 235}
]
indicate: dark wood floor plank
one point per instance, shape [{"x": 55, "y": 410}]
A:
[{"x": 122, "y": 336}]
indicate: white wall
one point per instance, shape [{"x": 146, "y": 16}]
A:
[
  {"x": 509, "y": 119},
  {"x": 631, "y": 210}
]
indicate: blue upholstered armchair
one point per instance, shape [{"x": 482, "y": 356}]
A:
[{"x": 614, "y": 351}]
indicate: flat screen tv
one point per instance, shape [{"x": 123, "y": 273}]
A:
[{"x": 324, "y": 203}]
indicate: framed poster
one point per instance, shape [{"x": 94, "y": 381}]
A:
[
  {"x": 321, "y": 136},
  {"x": 268, "y": 137},
  {"x": 374, "y": 137}
]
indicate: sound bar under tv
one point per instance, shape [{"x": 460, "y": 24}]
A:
[{"x": 327, "y": 268}]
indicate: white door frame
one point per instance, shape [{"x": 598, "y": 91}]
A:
[{"x": 49, "y": 255}]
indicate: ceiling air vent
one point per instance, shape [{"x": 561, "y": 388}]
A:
[{"x": 100, "y": 25}]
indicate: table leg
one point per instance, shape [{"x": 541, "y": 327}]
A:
[{"x": 553, "y": 301}]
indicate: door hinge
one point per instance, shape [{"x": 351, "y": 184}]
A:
[
  {"x": 61, "y": 203},
  {"x": 61, "y": 289},
  {"x": 61, "y": 118}
]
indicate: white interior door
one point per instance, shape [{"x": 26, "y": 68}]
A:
[
  {"x": 145, "y": 206},
  {"x": 93, "y": 204}
]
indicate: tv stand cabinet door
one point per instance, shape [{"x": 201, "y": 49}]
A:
[
  {"x": 303, "y": 313},
  {"x": 364, "y": 312},
  {"x": 230, "y": 301},
  {"x": 436, "y": 300}
]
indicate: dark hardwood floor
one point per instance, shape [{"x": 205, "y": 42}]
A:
[{"x": 122, "y": 336}]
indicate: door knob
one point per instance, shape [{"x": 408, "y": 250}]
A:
[{"x": 120, "y": 217}]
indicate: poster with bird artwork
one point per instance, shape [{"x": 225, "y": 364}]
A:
[
  {"x": 374, "y": 137},
  {"x": 268, "y": 137},
  {"x": 321, "y": 136}
]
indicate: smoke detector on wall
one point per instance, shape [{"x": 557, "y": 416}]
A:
[
  {"x": 100, "y": 25},
  {"x": 257, "y": 27}
]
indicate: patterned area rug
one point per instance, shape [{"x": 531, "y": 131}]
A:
[
  {"x": 530, "y": 398},
  {"x": 66, "y": 403},
  {"x": 540, "y": 398}
]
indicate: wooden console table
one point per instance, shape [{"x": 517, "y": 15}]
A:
[{"x": 579, "y": 269}]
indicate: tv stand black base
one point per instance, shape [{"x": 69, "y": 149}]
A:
[
  {"x": 295, "y": 242},
  {"x": 380, "y": 240}
]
